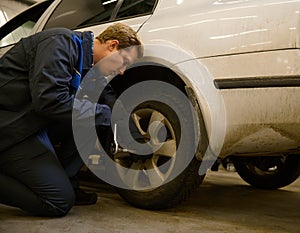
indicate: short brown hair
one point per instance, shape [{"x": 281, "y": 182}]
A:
[{"x": 126, "y": 36}]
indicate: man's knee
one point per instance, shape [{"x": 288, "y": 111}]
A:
[{"x": 60, "y": 206}]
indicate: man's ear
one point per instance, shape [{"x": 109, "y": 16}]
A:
[{"x": 113, "y": 44}]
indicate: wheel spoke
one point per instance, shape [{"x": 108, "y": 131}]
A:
[
  {"x": 167, "y": 149},
  {"x": 153, "y": 170},
  {"x": 156, "y": 116},
  {"x": 131, "y": 178},
  {"x": 136, "y": 119},
  {"x": 155, "y": 123},
  {"x": 155, "y": 176}
]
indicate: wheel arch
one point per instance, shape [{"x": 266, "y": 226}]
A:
[{"x": 159, "y": 72}]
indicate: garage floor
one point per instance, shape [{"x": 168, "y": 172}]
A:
[{"x": 223, "y": 203}]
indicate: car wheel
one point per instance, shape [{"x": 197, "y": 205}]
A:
[
  {"x": 268, "y": 172},
  {"x": 153, "y": 175}
]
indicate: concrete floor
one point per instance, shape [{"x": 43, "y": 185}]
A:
[{"x": 223, "y": 203}]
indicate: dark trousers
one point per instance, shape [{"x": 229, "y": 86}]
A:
[{"x": 35, "y": 178}]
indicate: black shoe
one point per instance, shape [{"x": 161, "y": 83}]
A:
[{"x": 83, "y": 198}]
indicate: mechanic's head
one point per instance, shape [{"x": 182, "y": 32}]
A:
[{"x": 123, "y": 45}]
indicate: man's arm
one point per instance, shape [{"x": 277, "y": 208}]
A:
[{"x": 50, "y": 83}]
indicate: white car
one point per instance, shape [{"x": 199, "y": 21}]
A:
[{"x": 237, "y": 62}]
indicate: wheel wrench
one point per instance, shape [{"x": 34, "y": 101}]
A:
[{"x": 115, "y": 148}]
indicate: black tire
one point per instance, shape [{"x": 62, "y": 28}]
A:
[
  {"x": 268, "y": 172},
  {"x": 182, "y": 169},
  {"x": 168, "y": 195}
]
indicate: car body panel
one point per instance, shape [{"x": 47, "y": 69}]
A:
[
  {"x": 270, "y": 121},
  {"x": 240, "y": 39},
  {"x": 213, "y": 28},
  {"x": 232, "y": 40},
  {"x": 260, "y": 117}
]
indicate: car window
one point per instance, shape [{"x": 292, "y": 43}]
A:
[
  {"x": 20, "y": 32},
  {"x": 132, "y": 8},
  {"x": 21, "y": 25},
  {"x": 74, "y": 14}
]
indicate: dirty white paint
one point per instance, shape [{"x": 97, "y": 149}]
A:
[{"x": 234, "y": 39}]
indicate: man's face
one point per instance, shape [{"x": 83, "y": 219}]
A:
[{"x": 117, "y": 61}]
